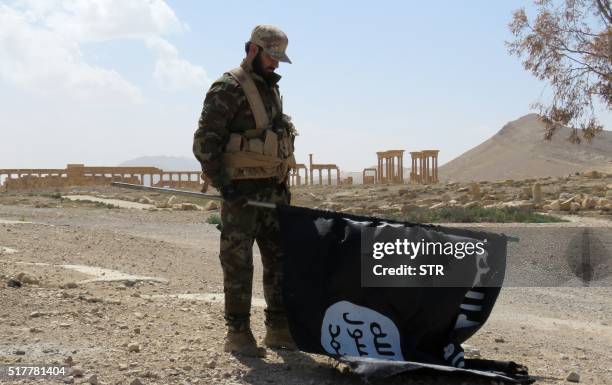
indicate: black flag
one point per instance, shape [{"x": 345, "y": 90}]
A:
[{"x": 339, "y": 305}]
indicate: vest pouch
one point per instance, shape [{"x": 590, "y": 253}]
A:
[
  {"x": 286, "y": 148},
  {"x": 256, "y": 146},
  {"x": 234, "y": 144},
  {"x": 270, "y": 144}
]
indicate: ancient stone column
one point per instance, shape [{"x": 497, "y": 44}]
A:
[
  {"x": 435, "y": 168},
  {"x": 422, "y": 168},
  {"x": 401, "y": 167},
  {"x": 311, "y": 170}
]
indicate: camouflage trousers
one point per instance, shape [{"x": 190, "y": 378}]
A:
[{"x": 241, "y": 225}]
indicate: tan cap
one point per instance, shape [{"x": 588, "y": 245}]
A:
[{"x": 273, "y": 41}]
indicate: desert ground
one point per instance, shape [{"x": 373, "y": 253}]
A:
[{"x": 134, "y": 295}]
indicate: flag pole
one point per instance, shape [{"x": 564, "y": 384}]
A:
[
  {"x": 215, "y": 197},
  {"x": 198, "y": 194}
]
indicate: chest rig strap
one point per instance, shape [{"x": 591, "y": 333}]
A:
[{"x": 262, "y": 121}]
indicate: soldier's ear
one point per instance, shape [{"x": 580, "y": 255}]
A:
[{"x": 253, "y": 50}]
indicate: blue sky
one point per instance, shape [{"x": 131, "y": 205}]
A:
[{"x": 101, "y": 81}]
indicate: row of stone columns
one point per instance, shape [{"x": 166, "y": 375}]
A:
[
  {"x": 295, "y": 179},
  {"x": 329, "y": 174},
  {"x": 192, "y": 177},
  {"x": 79, "y": 175},
  {"x": 390, "y": 166},
  {"x": 424, "y": 166},
  {"x": 323, "y": 167}
]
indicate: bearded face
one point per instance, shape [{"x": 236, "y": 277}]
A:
[{"x": 264, "y": 65}]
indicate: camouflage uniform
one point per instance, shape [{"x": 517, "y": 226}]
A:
[{"x": 226, "y": 110}]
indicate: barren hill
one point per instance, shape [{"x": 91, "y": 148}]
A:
[
  {"x": 518, "y": 151},
  {"x": 166, "y": 163}
]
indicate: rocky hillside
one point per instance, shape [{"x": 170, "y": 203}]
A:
[{"x": 518, "y": 151}]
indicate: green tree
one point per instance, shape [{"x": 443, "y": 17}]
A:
[{"x": 568, "y": 44}]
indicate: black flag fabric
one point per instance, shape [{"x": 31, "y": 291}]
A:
[{"x": 355, "y": 289}]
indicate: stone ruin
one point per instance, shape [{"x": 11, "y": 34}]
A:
[
  {"x": 390, "y": 166},
  {"x": 369, "y": 179},
  {"x": 295, "y": 178},
  {"x": 323, "y": 167},
  {"x": 75, "y": 175},
  {"x": 424, "y": 166},
  {"x": 390, "y": 169}
]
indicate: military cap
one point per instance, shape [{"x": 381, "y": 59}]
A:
[{"x": 273, "y": 41}]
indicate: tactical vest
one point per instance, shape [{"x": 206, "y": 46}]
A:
[{"x": 260, "y": 152}]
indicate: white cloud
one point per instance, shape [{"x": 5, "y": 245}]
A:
[
  {"x": 174, "y": 73},
  {"x": 40, "y": 46},
  {"x": 47, "y": 63},
  {"x": 100, "y": 20}
]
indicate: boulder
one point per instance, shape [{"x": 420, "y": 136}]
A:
[
  {"x": 471, "y": 205},
  {"x": 438, "y": 206},
  {"x": 27, "y": 278},
  {"x": 333, "y": 206},
  {"x": 145, "y": 199},
  {"x": 574, "y": 207},
  {"x": 493, "y": 206},
  {"x": 566, "y": 204},
  {"x": 588, "y": 203},
  {"x": 592, "y": 174},
  {"x": 573, "y": 377},
  {"x": 407, "y": 193},
  {"x": 536, "y": 193},
  {"x": 211, "y": 205},
  {"x": 189, "y": 207},
  {"x": 555, "y": 205},
  {"x": 525, "y": 193},
  {"x": 522, "y": 205},
  {"x": 602, "y": 202}
]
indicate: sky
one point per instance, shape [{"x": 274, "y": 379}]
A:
[{"x": 100, "y": 82}]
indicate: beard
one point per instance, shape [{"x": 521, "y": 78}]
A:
[{"x": 259, "y": 70}]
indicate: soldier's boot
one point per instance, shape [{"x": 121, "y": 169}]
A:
[
  {"x": 279, "y": 337},
  {"x": 241, "y": 341}
]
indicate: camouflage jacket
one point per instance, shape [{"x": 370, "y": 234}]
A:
[{"x": 226, "y": 110}]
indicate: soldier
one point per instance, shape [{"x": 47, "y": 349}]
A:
[{"x": 244, "y": 143}]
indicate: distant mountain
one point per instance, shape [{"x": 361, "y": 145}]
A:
[
  {"x": 166, "y": 163},
  {"x": 518, "y": 151}
]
